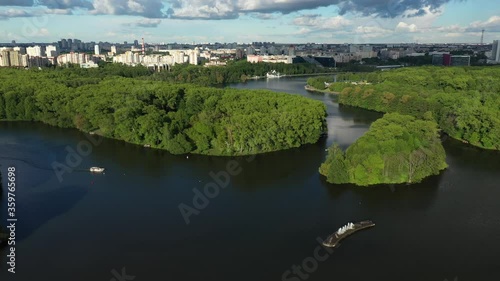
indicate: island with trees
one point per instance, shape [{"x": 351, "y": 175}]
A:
[
  {"x": 396, "y": 149},
  {"x": 464, "y": 101},
  {"x": 124, "y": 104}
]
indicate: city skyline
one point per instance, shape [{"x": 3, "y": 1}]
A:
[{"x": 284, "y": 21}]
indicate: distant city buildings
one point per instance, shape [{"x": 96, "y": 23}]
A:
[
  {"x": 17, "y": 57},
  {"x": 163, "y": 55},
  {"x": 270, "y": 59},
  {"x": 82, "y": 59},
  {"x": 154, "y": 60}
]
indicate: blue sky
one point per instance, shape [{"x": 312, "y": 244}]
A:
[{"x": 284, "y": 21}]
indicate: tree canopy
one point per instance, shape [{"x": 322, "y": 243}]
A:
[
  {"x": 464, "y": 101},
  {"x": 180, "y": 118}
]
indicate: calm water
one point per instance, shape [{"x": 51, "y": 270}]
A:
[{"x": 265, "y": 221}]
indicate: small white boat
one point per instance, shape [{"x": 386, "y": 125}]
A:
[
  {"x": 96, "y": 169},
  {"x": 273, "y": 74},
  {"x": 147, "y": 145}
]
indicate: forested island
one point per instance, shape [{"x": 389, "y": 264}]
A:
[
  {"x": 181, "y": 118},
  {"x": 396, "y": 149},
  {"x": 464, "y": 101}
]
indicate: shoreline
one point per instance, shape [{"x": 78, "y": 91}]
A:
[
  {"x": 98, "y": 133},
  {"x": 312, "y": 89},
  {"x": 289, "y": 75}
]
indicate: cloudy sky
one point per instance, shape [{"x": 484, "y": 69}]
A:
[{"x": 285, "y": 21}]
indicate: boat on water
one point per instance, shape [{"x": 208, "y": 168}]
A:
[
  {"x": 273, "y": 74},
  {"x": 345, "y": 231},
  {"x": 96, "y": 169}
]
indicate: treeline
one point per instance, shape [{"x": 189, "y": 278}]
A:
[
  {"x": 318, "y": 82},
  {"x": 177, "y": 117},
  {"x": 396, "y": 149},
  {"x": 464, "y": 101},
  {"x": 234, "y": 72}
]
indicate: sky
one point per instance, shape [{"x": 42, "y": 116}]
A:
[{"x": 246, "y": 21}]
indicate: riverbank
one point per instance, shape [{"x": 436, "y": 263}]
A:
[
  {"x": 289, "y": 76},
  {"x": 466, "y": 107},
  {"x": 327, "y": 91},
  {"x": 179, "y": 118}
]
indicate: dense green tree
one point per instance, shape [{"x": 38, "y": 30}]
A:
[
  {"x": 180, "y": 118},
  {"x": 396, "y": 149},
  {"x": 335, "y": 167},
  {"x": 465, "y": 101}
]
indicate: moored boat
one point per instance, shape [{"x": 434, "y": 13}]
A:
[
  {"x": 96, "y": 169},
  {"x": 345, "y": 231},
  {"x": 273, "y": 74}
]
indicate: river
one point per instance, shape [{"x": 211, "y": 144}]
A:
[{"x": 267, "y": 219}]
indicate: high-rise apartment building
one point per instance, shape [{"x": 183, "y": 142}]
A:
[
  {"x": 15, "y": 58},
  {"x": 51, "y": 51},
  {"x": 495, "y": 52},
  {"x": 35, "y": 51},
  {"x": 97, "y": 51},
  {"x": 4, "y": 58}
]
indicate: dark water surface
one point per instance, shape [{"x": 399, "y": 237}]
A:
[{"x": 263, "y": 223}]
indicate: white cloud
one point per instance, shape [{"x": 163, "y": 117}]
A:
[
  {"x": 145, "y": 8},
  {"x": 224, "y": 9},
  {"x": 146, "y": 23},
  {"x": 318, "y": 23},
  {"x": 492, "y": 24},
  {"x": 204, "y": 9},
  {"x": 404, "y": 27},
  {"x": 14, "y": 13}
]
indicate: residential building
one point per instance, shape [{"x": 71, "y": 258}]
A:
[
  {"x": 437, "y": 60},
  {"x": 270, "y": 59},
  {"x": 51, "y": 51},
  {"x": 495, "y": 52},
  {"x": 460, "y": 60},
  {"x": 450, "y": 60},
  {"x": 89, "y": 64},
  {"x": 15, "y": 58},
  {"x": 4, "y": 58},
  {"x": 35, "y": 51}
]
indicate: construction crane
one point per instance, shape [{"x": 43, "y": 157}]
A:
[{"x": 482, "y": 37}]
